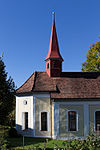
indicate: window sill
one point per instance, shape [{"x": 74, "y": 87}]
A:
[
  {"x": 44, "y": 131},
  {"x": 27, "y": 130},
  {"x": 96, "y": 131},
  {"x": 72, "y": 131}
]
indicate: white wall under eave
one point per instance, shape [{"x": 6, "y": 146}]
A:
[
  {"x": 20, "y": 108},
  {"x": 30, "y": 108}
]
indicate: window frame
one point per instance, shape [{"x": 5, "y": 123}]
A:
[
  {"x": 24, "y": 102},
  {"x": 67, "y": 120},
  {"x": 47, "y": 121},
  {"x": 23, "y": 120},
  {"x": 95, "y": 120},
  {"x": 48, "y": 65}
]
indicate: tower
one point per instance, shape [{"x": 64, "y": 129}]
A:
[{"x": 53, "y": 59}]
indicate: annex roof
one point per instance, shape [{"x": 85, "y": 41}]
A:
[{"x": 69, "y": 85}]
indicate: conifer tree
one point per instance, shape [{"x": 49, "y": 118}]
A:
[
  {"x": 92, "y": 63},
  {"x": 7, "y": 90}
]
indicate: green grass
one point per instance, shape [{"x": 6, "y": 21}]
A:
[{"x": 32, "y": 143}]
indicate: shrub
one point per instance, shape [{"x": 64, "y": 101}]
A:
[
  {"x": 3, "y": 142},
  {"x": 13, "y": 133},
  {"x": 92, "y": 142}
]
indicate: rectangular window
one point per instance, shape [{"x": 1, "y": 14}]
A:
[
  {"x": 25, "y": 120},
  {"x": 97, "y": 120},
  {"x": 72, "y": 120},
  {"x": 44, "y": 121}
]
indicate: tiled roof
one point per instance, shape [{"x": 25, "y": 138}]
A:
[
  {"x": 28, "y": 85},
  {"x": 69, "y": 85}
]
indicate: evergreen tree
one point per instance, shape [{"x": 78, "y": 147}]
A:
[
  {"x": 7, "y": 90},
  {"x": 92, "y": 64}
]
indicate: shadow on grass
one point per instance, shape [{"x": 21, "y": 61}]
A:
[{"x": 28, "y": 141}]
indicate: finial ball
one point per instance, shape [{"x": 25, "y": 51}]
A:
[{"x": 53, "y": 12}]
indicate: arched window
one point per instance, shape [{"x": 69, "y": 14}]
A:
[
  {"x": 97, "y": 121},
  {"x": 44, "y": 121},
  {"x": 25, "y": 120},
  {"x": 72, "y": 121},
  {"x": 47, "y": 65},
  {"x": 54, "y": 64}
]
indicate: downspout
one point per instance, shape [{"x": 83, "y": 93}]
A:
[
  {"x": 52, "y": 117},
  {"x": 51, "y": 114}
]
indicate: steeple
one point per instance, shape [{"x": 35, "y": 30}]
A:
[
  {"x": 53, "y": 46},
  {"x": 53, "y": 59}
]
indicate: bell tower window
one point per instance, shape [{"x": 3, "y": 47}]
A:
[
  {"x": 47, "y": 65},
  {"x": 54, "y": 64}
]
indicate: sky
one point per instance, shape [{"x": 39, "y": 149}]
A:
[{"x": 25, "y": 29}]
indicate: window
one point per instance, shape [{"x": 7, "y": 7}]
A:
[
  {"x": 47, "y": 65},
  {"x": 25, "y": 120},
  {"x": 25, "y": 102},
  {"x": 54, "y": 64},
  {"x": 97, "y": 121},
  {"x": 44, "y": 121},
  {"x": 72, "y": 121}
]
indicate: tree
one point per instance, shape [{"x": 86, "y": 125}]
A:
[
  {"x": 92, "y": 64},
  {"x": 7, "y": 90}
]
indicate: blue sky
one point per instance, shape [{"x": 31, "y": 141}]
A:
[{"x": 25, "y": 28}]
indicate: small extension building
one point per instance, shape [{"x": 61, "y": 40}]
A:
[{"x": 56, "y": 104}]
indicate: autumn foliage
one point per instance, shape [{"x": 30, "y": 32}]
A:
[{"x": 92, "y": 63}]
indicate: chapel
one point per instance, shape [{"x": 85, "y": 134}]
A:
[{"x": 58, "y": 105}]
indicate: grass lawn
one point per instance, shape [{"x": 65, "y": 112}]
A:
[
  {"x": 30, "y": 143},
  {"x": 39, "y": 143},
  {"x": 33, "y": 143}
]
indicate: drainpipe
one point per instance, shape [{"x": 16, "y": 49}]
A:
[{"x": 51, "y": 100}]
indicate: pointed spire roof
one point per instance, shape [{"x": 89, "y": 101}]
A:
[{"x": 53, "y": 46}]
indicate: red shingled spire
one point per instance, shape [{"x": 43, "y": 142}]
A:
[
  {"x": 53, "y": 59},
  {"x": 53, "y": 47}
]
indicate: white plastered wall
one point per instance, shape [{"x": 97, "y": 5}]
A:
[
  {"x": 20, "y": 108},
  {"x": 30, "y": 108}
]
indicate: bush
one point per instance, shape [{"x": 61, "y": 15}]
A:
[
  {"x": 92, "y": 142},
  {"x": 11, "y": 119},
  {"x": 3, "y": 142},
  {"x": 13, "y": 133}
]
